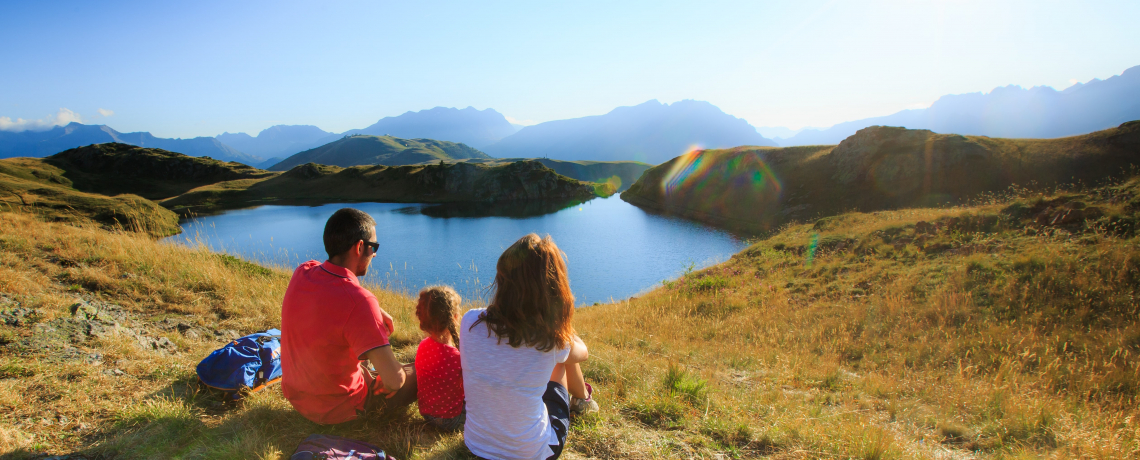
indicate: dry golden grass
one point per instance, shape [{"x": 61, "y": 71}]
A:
[
  {"x": 1001, "y": 344},
  {"x": 985, "y": 338}
]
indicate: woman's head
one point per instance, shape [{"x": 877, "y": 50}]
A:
[
  {"x": 532, "y": 305},
  {"x": 438, "y": 311}
]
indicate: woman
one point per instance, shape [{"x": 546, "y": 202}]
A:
[{"x": 520, "y": 355}]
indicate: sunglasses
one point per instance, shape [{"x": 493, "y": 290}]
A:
[{"x": 374, "y": 245}]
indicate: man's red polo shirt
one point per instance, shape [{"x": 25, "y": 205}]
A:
[{"x": 328, "y": 321}]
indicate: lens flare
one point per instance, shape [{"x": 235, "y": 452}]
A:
[
  {"x": 694, "y": 169},
  {"x": 811, "y": 248},
  {"x": 727, "y": 183},
  {"x": 687, "y": 165}
]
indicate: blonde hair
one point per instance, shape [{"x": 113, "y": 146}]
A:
[
  {"x": 436, "y": 310},
  {"x": 532, "y": 304}
]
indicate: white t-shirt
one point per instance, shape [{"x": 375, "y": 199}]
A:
[{"x": 506, "y": 418}]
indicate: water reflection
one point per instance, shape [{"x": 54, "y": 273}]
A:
[{"x": 520, "y": 209}]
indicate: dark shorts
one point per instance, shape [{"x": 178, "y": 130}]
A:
[
  {"x": 375, "y": 401},
  {"x": 447, "y": 424},
  {"x": 557, "y": 401}
]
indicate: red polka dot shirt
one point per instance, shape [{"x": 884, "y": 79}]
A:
[{"x": 439, "y": 379}]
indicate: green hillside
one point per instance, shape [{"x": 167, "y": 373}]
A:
[
  {"x": 1004, "y": 328},
  {"x": 877, "y": 168},
  {"x": 360, "y": 150},
  {"x": 35, "y": 186},
  {"x": 432, "y": 183},
  {"x": 155, "y": 174},
  {"x": 123, "y": 185}
]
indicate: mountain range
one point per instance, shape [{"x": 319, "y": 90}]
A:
[
  {"x": 60, "y": 138},
  {"x": 1009, "y": 112},
  {"x": 650, "y": 132},
  {"x": 477, "y": 128},
  {"x": 277, "y": 142}
]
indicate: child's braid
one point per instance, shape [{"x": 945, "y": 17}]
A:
[{"x": 436, "y": 310}]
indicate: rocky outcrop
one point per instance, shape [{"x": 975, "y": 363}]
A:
[
  {"x": 521, "y": 180},
  {"x": 879, "y": 168},
  {"x": 903, "y": 156},
  {"x": 429, "y": 183},
  {"x": 67, "y": 337}
]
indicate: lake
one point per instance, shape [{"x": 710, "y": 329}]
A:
[{"x": 614, "y": 250}]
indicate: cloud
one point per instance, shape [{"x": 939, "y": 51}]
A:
[
  {"x": 63, "y": 117},
  {"x": 106, "y": 113},
  {"x": 515, "y": 121}
]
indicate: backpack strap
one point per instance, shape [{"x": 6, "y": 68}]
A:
[{"x": 266, "y": 355}]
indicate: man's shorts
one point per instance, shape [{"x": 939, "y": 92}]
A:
[
  {"x": 557, "y": 401},
  {"x": 375, "y": 401}
]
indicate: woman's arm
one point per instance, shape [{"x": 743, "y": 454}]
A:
[
  {"x": 570, "y": 373},
  {"x": 578, "y": 351}
]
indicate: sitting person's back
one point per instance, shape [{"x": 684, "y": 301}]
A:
[
  {"x": 439, "y": 376},
  {"x": 521, "y": 358},
  {"x": 329, "y": 322}
]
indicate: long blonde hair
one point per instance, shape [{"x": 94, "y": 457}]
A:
[{"x": 532, "y": 304}]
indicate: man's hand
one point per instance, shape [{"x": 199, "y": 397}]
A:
[
  {"x": 388, "y": 322},
  {"x": 388, "y": 370},
  {"x": 382, "y": 389}
]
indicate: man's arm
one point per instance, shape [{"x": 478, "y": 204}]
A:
[{"x": 388, "y": 368}]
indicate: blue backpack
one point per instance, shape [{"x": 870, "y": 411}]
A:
[{"x": 246, "y": 365}]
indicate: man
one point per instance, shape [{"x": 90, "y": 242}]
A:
[{"x": 329, "y": 323}]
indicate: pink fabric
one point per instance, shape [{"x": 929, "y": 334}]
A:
[
  {"x": 439, "y": 376},
  {"x": 328, "y": 322}
]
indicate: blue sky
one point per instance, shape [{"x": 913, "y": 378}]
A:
[{"x": 184, "y": 69}]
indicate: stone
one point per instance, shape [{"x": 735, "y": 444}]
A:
[
  {"x": 94, "y": 359},
  {"x": 83, "y": 310},
  {"x": 17, "y": 316}
]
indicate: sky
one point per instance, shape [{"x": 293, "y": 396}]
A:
[{"x": 186, "y": 69}]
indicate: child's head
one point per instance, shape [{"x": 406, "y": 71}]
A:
[
  {"x": 532, "y": 304},
  {"x": 438, "y": 311}
]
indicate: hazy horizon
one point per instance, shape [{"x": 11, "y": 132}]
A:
[{"x": 208, "y": 68}]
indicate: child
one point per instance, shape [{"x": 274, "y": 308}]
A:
[
  {"x": 521, "y": 358},
  {"x": 440, "y": 377}
]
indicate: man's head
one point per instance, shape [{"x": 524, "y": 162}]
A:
[{"x": 350, "y": 237}]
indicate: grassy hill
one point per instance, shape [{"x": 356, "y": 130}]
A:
[
  {"x": 155, "y": 174},
  {"x": 621, "y": 174},
  {"x": 431, "y": 183},
  {"x": 119, "y": 184},
  {"x": 31, "y": 185},
  {"x": 1004, "y": 330},
  {"x": 360, "y": 150},
  {"x": 877, "y": 168}
]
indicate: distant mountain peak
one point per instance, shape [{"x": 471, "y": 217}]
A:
[
  {"x": 74, "y": 134},
  {"x": 1010, "y": 111},
  {"x": 651, "y": 132},
  {"x": 469, "y": 125}
]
